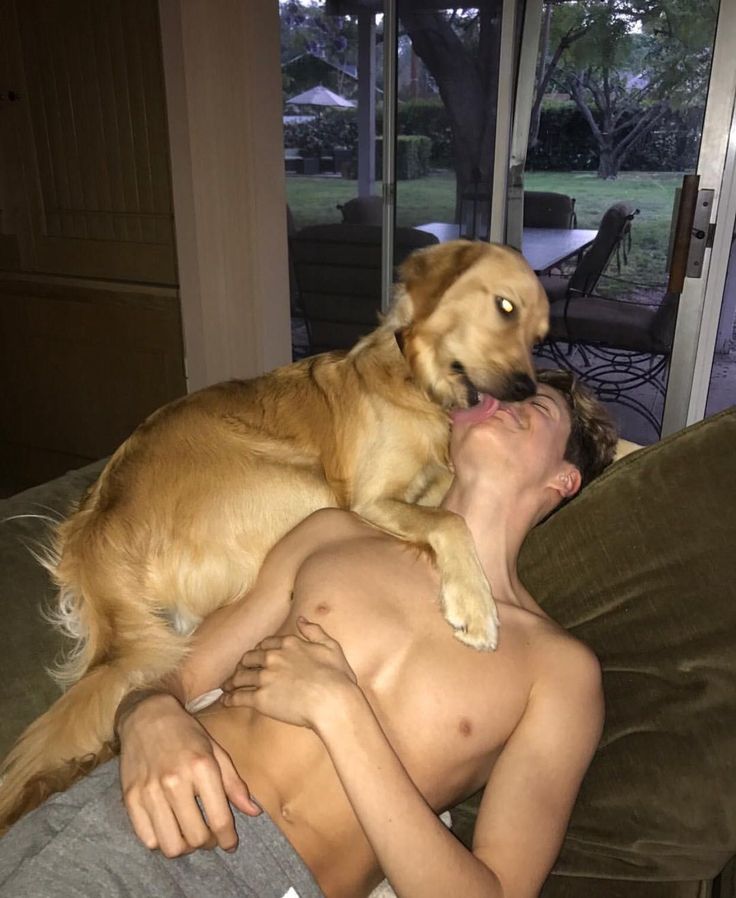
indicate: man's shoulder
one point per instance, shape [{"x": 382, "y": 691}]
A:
[
  {"x": 333, "y": 523},
  {"x": 561, "y": 661},
  {"x": 319, "y": 530},
  {"x": 325, "y": 527},
  {"x": 565, "y": 696}
]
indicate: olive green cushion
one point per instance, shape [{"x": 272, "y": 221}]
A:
[
  {"x": 584, "y": 887},
  {"x": 641, "y": 567},
  {"x": 29, "y": 644}
]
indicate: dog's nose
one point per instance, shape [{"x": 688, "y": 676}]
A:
[{"x": 521, "y": 386}]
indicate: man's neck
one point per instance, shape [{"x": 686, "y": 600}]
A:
[{"x": 499, "y": 524}]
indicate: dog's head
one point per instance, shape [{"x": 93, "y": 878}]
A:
[{"x": 466, "y": 317}]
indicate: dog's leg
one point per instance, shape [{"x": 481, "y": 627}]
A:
[{"x": 465, "y": 594}]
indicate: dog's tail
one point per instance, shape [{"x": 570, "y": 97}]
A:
[
  {"x": 75, "y": 734},
  {"x": 61, "y": 745}
]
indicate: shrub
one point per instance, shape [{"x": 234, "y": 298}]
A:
[
  {"x": 329, "y": 129},
  {"x": 566, "y": 144},
  {"x": 413, "y": 152},
  {"x": 429, "y": 117}
]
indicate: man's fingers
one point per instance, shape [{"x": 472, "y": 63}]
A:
[
  {"x": 243, "y": 678},
  {"x": 141, "y": 822},
  {"x": 169, "y": 836},
  {"x": 270, "y": 642},
  {"x": 241, "y": 698},
  {"x": 211, "y": 789},
  {"x": 253, "y": 658},
  {"x": 313, "y": 632},
  {"x": 235, "y": 789},
  {"x": 195, "y": 818}
]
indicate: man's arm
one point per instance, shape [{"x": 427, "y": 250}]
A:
[
  {"x": 169, "y": 763},
  {"x": 528, "y": 798}
]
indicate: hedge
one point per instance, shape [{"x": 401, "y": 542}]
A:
[
  {"x": 429, "y": 117},
  {"x": 412, "y": 156},
  {"x": 329, "y": 129},
  {"x": 565, "y": 142}
]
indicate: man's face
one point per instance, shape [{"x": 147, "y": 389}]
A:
[{"x": 525, "y": 439}]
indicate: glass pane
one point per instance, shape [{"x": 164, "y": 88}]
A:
[
  {"x": 619, "y": 102},
  {"x": 331, "y": 73},
  {"x": 722, "y": 391},
  {"x": 447, "y": 88}
]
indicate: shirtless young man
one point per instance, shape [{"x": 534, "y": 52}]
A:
[{"x": 363, "y": 717}]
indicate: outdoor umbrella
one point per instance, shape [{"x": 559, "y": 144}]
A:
[{"x": 320, "y": 96}]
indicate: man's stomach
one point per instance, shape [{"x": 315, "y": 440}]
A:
[{"x": 289, "y": 773}]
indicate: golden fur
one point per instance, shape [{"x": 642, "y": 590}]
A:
[{"x": 182, "y": 516}]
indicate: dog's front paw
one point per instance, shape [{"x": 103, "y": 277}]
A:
[{"x": 472, "y": 613}]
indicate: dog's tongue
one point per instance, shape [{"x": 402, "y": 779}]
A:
[{"x": 484, "y": 409}]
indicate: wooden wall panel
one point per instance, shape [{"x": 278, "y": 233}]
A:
[
  {"x": 90, "y": 324},
  {"x": 80, "y": 368},
  {"x": 98, "y": 174}
]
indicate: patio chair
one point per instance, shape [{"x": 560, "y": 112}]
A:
[
  {"x": 543, "y": 209},
  {"x": 615, "y": 346},
  {"x": 338, "y": 271},
  {"x": 362, "y": 210},
  {"x": 613, "y": 233}
]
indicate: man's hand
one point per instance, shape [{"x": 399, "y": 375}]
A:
[
  {"x": 291, "y": 678},
  {"x": 177, "y": 780}
]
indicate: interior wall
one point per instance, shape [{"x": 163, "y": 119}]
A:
[
  {"x": 81, "y": 365},
  {"x": 223, "y": 88},
  {"x": 90, "y": 329},
  {"x": 141, "y": 191}
]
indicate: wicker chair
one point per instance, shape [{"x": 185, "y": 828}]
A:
[
  {"x": 614, "y": 232},
  {"x": 362, "y": 210},
  {"x": 616, "y": 346},
  {"x": 338, "y": 272},
  {"x": 543, "y": 209}
]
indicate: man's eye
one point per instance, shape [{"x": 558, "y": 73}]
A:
[{"x": 505, "y": 305}]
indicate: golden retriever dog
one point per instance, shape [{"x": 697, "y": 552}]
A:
[{"x": 186, "y": 509}]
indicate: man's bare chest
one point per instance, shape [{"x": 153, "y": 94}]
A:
[{"x": 444, "y": 706}]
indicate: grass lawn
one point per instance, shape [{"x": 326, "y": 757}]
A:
[{"x": 313, "y": 200}]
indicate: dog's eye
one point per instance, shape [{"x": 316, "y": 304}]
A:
[{"x": 505, "y": 305}]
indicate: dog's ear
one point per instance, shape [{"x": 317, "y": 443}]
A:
[{"x": 428, "y": 273}]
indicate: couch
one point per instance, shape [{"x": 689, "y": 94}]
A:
[{"x": 641, "y": 567}]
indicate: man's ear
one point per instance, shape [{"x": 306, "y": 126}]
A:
[{"x": 567, "y": 482}]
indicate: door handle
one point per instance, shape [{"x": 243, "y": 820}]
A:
[
  {"x": 683, "y": 225},
  {"x": 702, "y": 236}
]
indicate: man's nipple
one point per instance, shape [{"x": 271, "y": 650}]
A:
[
  {"x": 322, "y": 608},
  {"x": 465, "y": 727}
]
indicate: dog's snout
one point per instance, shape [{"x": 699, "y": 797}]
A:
[{"x": 520, "y": 386}]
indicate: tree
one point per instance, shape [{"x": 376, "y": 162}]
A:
[
  {"x": 569, "y": 24},
  {"x": 460, "y": 50},
  {"x": 326, "y": 43},
  {"x": 623, "y": 62},
  {"x": 637, "y": 60}
]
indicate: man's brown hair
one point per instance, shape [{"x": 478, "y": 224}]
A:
[{"x": 591, "y": 445}]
